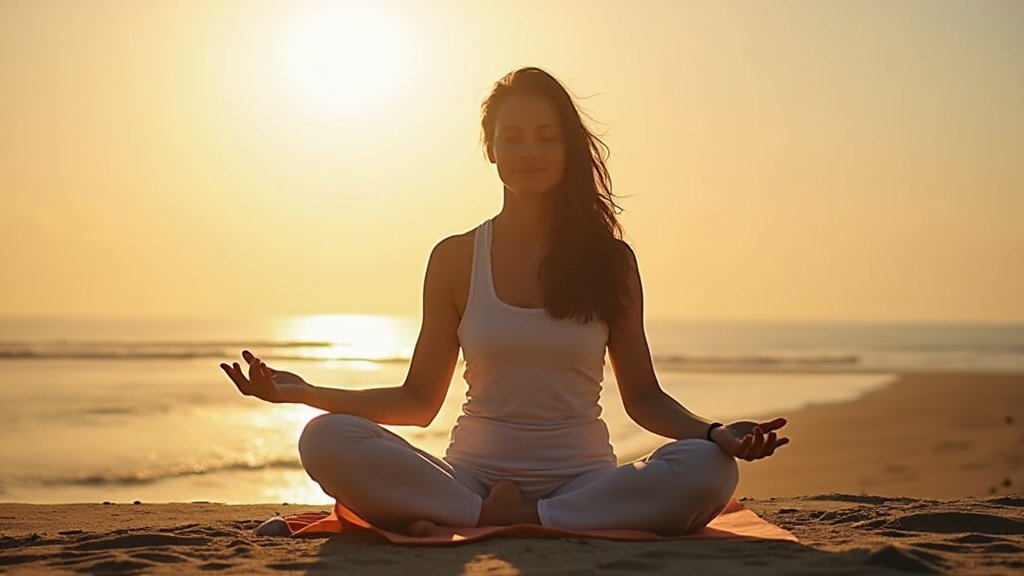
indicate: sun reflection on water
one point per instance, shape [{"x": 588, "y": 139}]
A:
[
  {"x": 352, "y": 337},
  {"x": 353, "y": 344}
]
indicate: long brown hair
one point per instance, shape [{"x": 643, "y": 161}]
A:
[{"x": 585, "y": 272}]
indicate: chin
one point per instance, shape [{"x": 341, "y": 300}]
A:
[
  {"x": 534, "y": 191},
  {"x": 535, "y": 188}
]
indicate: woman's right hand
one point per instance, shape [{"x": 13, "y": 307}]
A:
[{"x": 264, "y": 382}]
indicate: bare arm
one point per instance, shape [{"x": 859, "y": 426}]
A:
[
  {"x": 419, "y": 398},
  {"x": 650, "y": 407},
  {"x": 642, "y": 397},
  {"x": 415, "y": 402}
]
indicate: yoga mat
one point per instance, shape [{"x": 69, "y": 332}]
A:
[{"x": 734, "y": 522}]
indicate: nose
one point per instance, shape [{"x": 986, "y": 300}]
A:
[{"x": 529, "y": 150}]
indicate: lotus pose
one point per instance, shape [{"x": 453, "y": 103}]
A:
[{"x": 534, "y": 297}]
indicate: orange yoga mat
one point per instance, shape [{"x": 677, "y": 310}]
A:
[{"x": 735, "y": 522}]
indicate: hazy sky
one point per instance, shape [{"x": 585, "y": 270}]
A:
[{"x": 781, "y": 160}]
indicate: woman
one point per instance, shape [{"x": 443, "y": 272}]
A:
[{"x": 534, "y": 297}]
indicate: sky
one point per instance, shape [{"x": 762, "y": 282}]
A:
[{"x": 798, "y": 160}]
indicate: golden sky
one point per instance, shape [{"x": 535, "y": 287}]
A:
[{"x": 781, "y": 160}]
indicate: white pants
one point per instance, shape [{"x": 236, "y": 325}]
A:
[{"x": 678, "y": 488}]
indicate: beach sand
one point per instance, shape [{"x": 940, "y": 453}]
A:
[
  {"x": 947, "y": 435},
  {"x": 921, "y": 476}
]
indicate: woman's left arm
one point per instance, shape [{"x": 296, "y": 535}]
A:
[
  {"x": 653, "y": 409},
  {"x": 642, "y": 397}
]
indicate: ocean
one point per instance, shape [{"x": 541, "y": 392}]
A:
[{"x": 106, "y": 409}]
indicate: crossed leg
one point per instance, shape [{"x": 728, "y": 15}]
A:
[
  {"x": 385, "y": 479},
  {"x": 678, "y": 488}
]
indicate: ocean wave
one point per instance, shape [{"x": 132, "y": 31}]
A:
[
  {"x": 332, "y": 352},
  {"x": 98, "y": 353},
  {"x": 757, "y": 359},
  {"x": 143, "y": 477},
  {"x": 669, "y": 360}
]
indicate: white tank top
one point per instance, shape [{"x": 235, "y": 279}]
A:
[{"x": 531, "y": 413}]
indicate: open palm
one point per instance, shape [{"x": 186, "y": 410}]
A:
[
  {"x": 263, "y": 381},
  {"x": 750, "y": 440}
]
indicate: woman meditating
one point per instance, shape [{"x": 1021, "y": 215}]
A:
[{"x": 534, "y": 297}]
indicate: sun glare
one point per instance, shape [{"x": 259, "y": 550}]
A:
[
  {"x": 353, "y": 337},
  {"x": 346, "y": 56}
]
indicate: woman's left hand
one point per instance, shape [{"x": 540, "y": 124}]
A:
[{"x": 750, "y": 440}]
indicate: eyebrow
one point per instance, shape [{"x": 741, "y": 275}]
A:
[{"x": 518, "y": 127}]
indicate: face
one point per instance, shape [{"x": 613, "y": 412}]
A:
[{"x": 528, "y": 146}]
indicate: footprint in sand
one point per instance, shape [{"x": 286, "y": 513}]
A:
[
  {"x": 162, "y": 557},
  {"x": 906, "y": 559},
  {"x": 951, "y": 522},
  {"x": 141, "y": 541}
]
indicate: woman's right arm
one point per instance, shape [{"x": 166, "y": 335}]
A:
[{"x": 417, "y": 401}]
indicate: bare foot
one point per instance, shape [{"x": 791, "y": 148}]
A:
[
  {"x": 506, "y": 505},
  {"x": 422, "y": 528}
]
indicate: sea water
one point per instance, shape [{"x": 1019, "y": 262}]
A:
[{"x": 103, "y": 409}]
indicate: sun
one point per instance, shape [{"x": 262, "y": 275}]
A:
[{"x": 344, "y": 56}]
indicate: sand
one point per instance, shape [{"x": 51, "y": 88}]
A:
[
  {"x": 943, "y": 435},
  {"x": 921, "y": 476}
]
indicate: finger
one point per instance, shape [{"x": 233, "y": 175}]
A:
[
  {"x": 741, "y": 450},
  {"x": 769, "y": 445},
  {"x": 252, "y": 380},
  {"x": 755, "y": 445},
  {"x": 781, "y": 442},
  {"x": 237, "y": 378},
  {"x": 250, "y": 358},
  {"x": 254, "y": 370},
  {"x": 264, "y": 371},
  {"x": 227, "y": 370},
  {"x": 239, "y": 374},
  {"x": 772, "y": 424}
]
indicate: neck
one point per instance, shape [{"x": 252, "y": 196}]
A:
[{"x": 524, "y": 223}]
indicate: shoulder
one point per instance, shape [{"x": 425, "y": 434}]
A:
[
  {"x": 449, "y": 267},
  {"x": 628, "y": 271},
  {"x": 451, "y": 252},
  {"x": 625, "y": 252},
  {"x": 622, "y": 246},
  {"x": 453, "y": 247}
]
